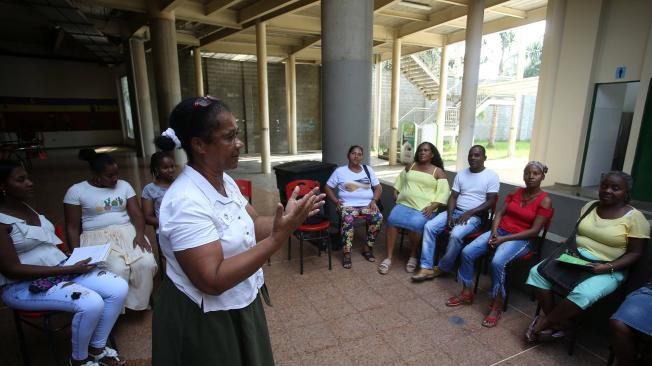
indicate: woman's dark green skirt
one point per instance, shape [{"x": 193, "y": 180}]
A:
[{"x": 182, "y": 334}]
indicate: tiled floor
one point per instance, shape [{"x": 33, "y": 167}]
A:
[{"x": 339, "y": 317}]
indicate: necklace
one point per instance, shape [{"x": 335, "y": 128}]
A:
[{"x": 525, "y": 199}]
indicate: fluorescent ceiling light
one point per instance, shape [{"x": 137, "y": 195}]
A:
[{"x": 415, "y": 5}]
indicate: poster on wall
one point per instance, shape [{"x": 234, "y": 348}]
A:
[{"x": 407, "y": 142}]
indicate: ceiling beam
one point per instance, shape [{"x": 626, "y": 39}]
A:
[
  {"x": 187, "y": 39},
  {"x": 441, "y": 17},
  {"x": 261, "y": 8},
  {"x": 403, "y": 15},
  {"x": 214, "y": 6},
  {"x": 276, "y": 40},
  {"x": 510, "y": 12},
  {"x": 244, "y": 48},
  {"x": 424, "y": 39},
  {"x": 309, "y": 42},
  {"x": 382, "y": 4},
  {"x": 171, "y": 5},
  {"x": 502, "y": 24}
]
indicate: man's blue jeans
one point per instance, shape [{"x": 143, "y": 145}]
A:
[{"x": 435, "y": 227}]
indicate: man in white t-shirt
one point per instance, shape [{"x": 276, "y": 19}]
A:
[{"x": 474, "y": 191}]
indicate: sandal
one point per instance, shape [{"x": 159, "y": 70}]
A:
[
  {"x": 530, "y": 335},
  {"x": 384, "y": 266},
  {"x": 368, "y": 255},
  {"x": 550, "y": 335},
  {"x": 460, "y": 299},
  {"x": 411, "y": 265},
  {"x": 346, "y": 261},
  {"x": 108, "y": 357},
  {"x": 491, "y": 321}
]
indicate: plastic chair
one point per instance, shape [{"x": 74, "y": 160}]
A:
[
  {"x": 31, "y": 318},
  {"x": 316, "y": 231},
  {"x": 245, "y": 188},
  {"x": 534, "y": 253}
]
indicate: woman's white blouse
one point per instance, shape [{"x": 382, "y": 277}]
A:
[
  {"x": 35, "y": 245},
  {"x": 193, "y": 214}
]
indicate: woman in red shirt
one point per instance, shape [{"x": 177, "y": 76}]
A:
[{"x": 520, "y": 219}]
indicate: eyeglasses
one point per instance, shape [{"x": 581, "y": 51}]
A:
[{"x": 203, "y": 102}]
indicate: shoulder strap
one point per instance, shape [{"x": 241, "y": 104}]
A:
[
  {"x": 573, "y": 243},
  {"x": 366, "y": 171},
  {"x": 433, "y": 172},
  {"x": 410, "y": 168}
]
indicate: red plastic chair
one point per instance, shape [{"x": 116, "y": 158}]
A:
[
  {"x": 534, "y": 253},
  {"x": 245, "y": 188},
  {"x": 318, "y": 231},
  {"x": 31, "y": 318}
]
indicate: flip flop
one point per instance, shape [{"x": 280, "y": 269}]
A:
[{"x": 368, "y": 255}]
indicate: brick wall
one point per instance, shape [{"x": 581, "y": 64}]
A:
[{"x": 237, "y": 84}]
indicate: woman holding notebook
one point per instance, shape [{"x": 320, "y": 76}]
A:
[
  {"x": 106, "y": 210},
  {"x": 32, "y": 277}
]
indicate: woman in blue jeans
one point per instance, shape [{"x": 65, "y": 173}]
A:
[{"x": 524, "y": 213}]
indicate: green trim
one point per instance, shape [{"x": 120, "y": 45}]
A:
[{"x": 644, "y": 131}]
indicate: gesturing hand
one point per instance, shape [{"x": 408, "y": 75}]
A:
[{"x": 297, "y": 211}]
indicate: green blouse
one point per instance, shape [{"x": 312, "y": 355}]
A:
[{"x": 418, "y": 189}]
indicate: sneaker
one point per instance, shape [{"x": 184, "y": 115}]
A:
[
  {"x": 423, "y": 275},
  {"x": 108, "y": 357},
  {"x": 87, "y": 363}
]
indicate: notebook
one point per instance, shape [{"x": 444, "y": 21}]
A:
[
  {"x": 569, "y": 259},
  {"x": 97, "y": 254}
]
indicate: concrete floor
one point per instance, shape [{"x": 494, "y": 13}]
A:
[{"x": 338, "y": 317}]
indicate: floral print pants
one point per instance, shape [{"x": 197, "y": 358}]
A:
[{"x": 373, "y": 218}]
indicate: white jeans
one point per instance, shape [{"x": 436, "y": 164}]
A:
[{"x": 95, "y": 298}]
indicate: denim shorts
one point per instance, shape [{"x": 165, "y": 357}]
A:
[
  {"x": 635, "y": 310},
  {"x": 407, "y": 218}
]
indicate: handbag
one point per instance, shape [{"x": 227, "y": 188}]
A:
[
  {"x": 563, "y": 277},
  {"x": 378, "y": 203},
  {"x": 45, "y": 283}
]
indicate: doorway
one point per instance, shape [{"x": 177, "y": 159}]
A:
[{"x": 608, "y": 135}]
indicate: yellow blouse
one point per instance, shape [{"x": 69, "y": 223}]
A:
[
  {"x": 607, "y": 238},
  {"x": 418, "y": 189}
]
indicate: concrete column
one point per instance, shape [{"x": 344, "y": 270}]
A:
[
  {"x": 263, "y": 103},
  {"x": 165, "y": 58},
  {"x": 396, "y": 86},
  {"x": 443, "y": 94},
  {"x": 293, "y": 104},
  {"x": 288, "y": 104},
  {"x": 199, "y": 78},
  {"x": 143, "y": 103},
  {"x": 555, "y": 14},
  {"x": 346, "y": 58},
  {"x": 474, "y": 21},
  {"x": 378, "y": 74},
  {"x": 518, "y": 102}
]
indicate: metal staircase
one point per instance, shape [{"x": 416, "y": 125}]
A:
[{"x": 420, "y": 76}]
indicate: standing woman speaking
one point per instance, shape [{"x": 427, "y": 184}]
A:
[{"x": 209, "y": 309}]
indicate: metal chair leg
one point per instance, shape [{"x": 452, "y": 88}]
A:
[
  {"x": 301, "y": 251},
  {"x": 51, "y": 340},
  {"x": 21, "y": 339},
  {"x": 328, "y": 247}
]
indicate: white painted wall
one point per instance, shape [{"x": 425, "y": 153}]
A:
[
  {"x": 624, "y": 28},
  {"x": 40, "y": 78},
  {"x": 598, "y": 36},
  {"x": 573, "y": 90}
]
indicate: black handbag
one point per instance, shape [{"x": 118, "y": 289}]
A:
[
  {"x": 563, "y": 277},
  {"x": 378, "y": 203}
]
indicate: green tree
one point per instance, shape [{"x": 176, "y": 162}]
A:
[
  {"x": 533, "y": 57},
  {"x": 506, "y": 41}
]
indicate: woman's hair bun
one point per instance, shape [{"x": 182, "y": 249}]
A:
[
  {"x": 87, "y": 154},
  {"x": 164, "y": 143}
]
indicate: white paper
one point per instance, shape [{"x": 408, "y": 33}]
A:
[{"x": 97, "y": 254}]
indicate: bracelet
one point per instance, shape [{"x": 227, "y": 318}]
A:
[{"x": 611, "y": 266}]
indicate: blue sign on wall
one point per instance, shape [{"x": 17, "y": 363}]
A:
[{"x": 620, "y": 72}]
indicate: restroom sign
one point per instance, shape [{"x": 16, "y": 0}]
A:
[{"x": 620, "y": 72}]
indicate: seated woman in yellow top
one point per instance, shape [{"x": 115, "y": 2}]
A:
[
  {"x": 419, "y": 191},
  {"x": 614, "y": 232}
]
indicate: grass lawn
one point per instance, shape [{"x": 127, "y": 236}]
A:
[{"x": 499, "y": 151}]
